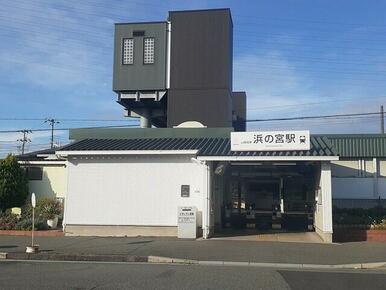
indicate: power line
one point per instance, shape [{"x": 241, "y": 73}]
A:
[
  {"x": 332, "y": 100},
  {"x": 87, "y": 13},
  {"x": 84, "y": 5},
  {"x": 352, "y": 72},
  {"x": 304, "y": 41},
  {"x": 307, "y": 21},
  {"x": 87, "y": 31},
  {"x": 65, "y": 129},
  {"x": 304, "y": 58},
  {"x": 336, "y": 116},
  {"x": 66, "y": 119},
  {"x": 300, "y": 66},
  {"x": 90, "y": 33},
  {"x": 329, "y": 122},
  {"x": 308, "y": 69},
  {"x": 86, "y": 38},
  {"x": 252, "y": 73}
]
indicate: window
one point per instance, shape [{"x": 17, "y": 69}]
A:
[
  {"x": 35, "y": 173},
  {"x": 148, "y": 50},
  {"x": 128, "y": 51}
]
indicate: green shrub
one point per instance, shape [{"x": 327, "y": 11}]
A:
[
  {"x": 45, "y": 208},
  {"x": 26, "y": 224},
  {"x": 48, "y": 208},
  {"x": 8, "y": 220},
  {"x": 372, "y": 217},
  {"x": 26, "y": 211},
  {"x": 13, "y": 183}
]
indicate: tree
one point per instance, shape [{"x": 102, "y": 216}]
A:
[{"x": 13, "y": 183}]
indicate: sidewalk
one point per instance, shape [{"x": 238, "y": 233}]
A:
[{"x": 204, "y": 250}]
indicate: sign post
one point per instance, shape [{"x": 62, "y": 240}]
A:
[
  {"x": 33, "y": 248},
  {"x": 270, "y": 141},
  {"x": 33, "y": 202}
]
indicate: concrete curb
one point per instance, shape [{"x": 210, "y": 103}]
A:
[
  {"x": 296, "y": 266},
  {"x": 167, "y": 260},
  {"x": 20, "y": 233},
  {"x": 76, "y": 257},
  {"x": 372, "y": 265}
]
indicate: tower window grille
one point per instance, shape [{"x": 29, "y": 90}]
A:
[
  {"x": 128, "y": 51},
  {"x": 148, "y": 50}
]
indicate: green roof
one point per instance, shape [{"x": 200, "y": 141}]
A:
[
  {"x": 359, "y": 145},
  {"x": 209, "y": 146},
  {"x": 343, "y": 145},
  {"x": 139, "y": 133}
]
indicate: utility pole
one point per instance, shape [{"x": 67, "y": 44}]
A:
[
  {"x": 382, "y": 120},
  {"x": 52, "y": 123},
  {"x": 24, "y": 140}
]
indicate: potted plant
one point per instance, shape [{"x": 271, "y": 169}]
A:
[{"x": 50, "y": 209}]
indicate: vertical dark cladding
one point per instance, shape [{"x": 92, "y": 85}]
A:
[
  {"x": 239, "y": 101},
  {"x": 201, "y": 68}
]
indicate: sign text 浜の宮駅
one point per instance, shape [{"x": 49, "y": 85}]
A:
[{"x": 270, "y": 141}]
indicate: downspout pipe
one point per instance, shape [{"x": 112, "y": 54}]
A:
[
  {"x": 206, "y": 230},
  {"x": 206, "y": 198}
]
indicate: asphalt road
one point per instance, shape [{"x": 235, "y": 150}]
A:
[
  {"x": 205, "y": 250},
  {"x": 75, "y": 275}
]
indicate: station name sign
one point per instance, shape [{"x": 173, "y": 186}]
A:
[{"x": 270, "y": 141}]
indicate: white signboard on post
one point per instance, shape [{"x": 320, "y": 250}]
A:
[
  {"x": 270, "y": 141},
  {"x": 33, "y": 200},
  {"x": 187, "y": 222}
]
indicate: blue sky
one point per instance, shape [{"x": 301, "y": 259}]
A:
[{"x": 294, "y": 58}]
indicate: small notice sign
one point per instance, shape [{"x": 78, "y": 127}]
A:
[
  {"x": 185, "y": 190},
  {"x": 187, "y": 222},
  {"x": 270, "y": 141},
  {"x": 187, "y": 215}
]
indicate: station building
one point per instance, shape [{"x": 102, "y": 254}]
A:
[
  {"x": 133, "y": 185},
  {"x": 176, "y": 74}
]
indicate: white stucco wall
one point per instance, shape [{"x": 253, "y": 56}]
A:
[
  {"x": 132, "y": 190},
  {"x": 323, "y": 212},
  {"x": 53, "y": 183}
]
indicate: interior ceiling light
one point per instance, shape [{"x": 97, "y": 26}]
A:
[
  {"x": 246, "y": 163},
  {"x": 284, "y": 163}
]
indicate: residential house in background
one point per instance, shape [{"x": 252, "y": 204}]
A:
[{"x": 46, "y": 173}]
